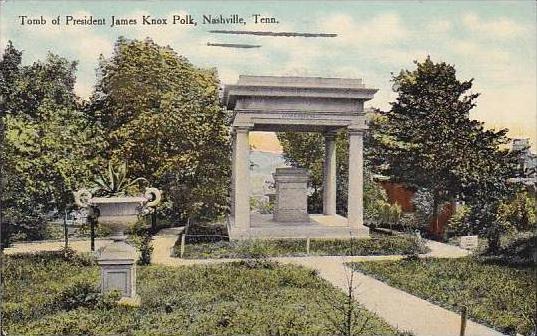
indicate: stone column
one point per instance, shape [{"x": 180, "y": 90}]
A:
[
  {"x": 232, "y": 187},
  {"x": 241, "y": 178},
  {"x": 329, "y": 174},
  {"x": 355, "y": 205}
]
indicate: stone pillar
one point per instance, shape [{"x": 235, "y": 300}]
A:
[
  {"x": 355, "y": 205},
  {"x": 329, "y": 174},
  {"x": 241, "y": 178},
  {"x": 232, "y": 187}
]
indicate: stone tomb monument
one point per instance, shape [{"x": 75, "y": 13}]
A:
[
  {"x": 291, "y": 203},
  {"x": 298, "y": 104}
]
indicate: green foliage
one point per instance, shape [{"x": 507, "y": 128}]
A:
[
  {"x": 115, "y": 183},
  {"x": 423, "y": 203},
  {"x": 495, "y": 294},
  {"x": 142, "y": 242},
  {"x": 411, "y": 221},
  {"x": 519, "y": 248},
  {"x": 84, "y": 293},
  {"x": 458, "y": 224},
  {"x": 33, "y": 283},
  {"x": 244, "y": 298},
  {"x": 47, "y": 143},
  {"x": 261, "y": 206},
  {"x": 387, "y": 214},
  {"x": 520, "y": 211},
  {"x": 141, "y": 237},
  {"x": 428, "y": 140},
  {"x": 377, "y": 245},
  {"x": 161, "y": 115}
]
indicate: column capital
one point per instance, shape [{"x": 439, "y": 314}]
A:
[
  {"x": 330, "y": 135},
  {"x": 242, "y": 129},
  {"x": 356, "y": 131}
]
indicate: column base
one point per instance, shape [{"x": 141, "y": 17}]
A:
[{"x": 359, "y": 231}]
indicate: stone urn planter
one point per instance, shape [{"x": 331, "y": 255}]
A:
[{"x": 117, "y": 259}]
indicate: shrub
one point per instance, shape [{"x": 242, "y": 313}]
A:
[
  {"x": 79, "y": 294},
  {"x": 261, "y": 206},
  {"x": 459, "y": 224},
  {"x": 140, "y": 236},
  {"x": 411, "y": 221}
]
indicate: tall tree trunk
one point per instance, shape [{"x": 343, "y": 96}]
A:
[
  {"x": 92, "y": 233},
  {"x": 154, "y": 222}
]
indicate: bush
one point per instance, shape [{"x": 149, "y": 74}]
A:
[
  {"x": 80, "y": 294},
  {"x": 520, "y": 248},
  {"x": 140, "y": 236},
  {"x": 411, "y": 222},
  {"x": 143, "y": 244},
  {"x": 261, "y": 206},
  {"x": 459, "y": 224}
]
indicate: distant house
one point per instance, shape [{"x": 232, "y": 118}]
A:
[{"x": 527, "y": 161}]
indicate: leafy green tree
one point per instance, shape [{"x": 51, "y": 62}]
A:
[
  {"x": 429, "y": 141},
  {"x": 161, "y": 115},
  {"x": 47, "y": 141}
]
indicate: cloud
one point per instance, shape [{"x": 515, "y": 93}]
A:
[
  {"x": 480, "y": 54},
  {"x": 381, "y": 29},
  {"x": 518, "y": 115},
  {"x": 439, "y": 26},
  {"x": 497, "y": 28}
]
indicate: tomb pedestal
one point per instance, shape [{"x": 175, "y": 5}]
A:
[{"x": 291, "y": 204}]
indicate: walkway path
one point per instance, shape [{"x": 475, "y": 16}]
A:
[
  {"x": 78, "y": 245},
  {"x": 398, "y": 308}
]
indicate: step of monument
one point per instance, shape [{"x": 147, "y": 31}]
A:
[{"x": 303, "y": 232}]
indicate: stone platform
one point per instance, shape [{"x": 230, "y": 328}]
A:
[{"x": 318, "y": 226}]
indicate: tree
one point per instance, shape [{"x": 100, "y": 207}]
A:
[
  {"x": 48, "y": 142},
  {"x": 429, "y": 141},
  {"x": 161, "y": 115}
]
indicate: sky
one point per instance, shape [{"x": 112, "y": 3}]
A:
[{"x": 493, "y": 42}]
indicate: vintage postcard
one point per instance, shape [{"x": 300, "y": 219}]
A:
[{"x": 268, "y": 167}]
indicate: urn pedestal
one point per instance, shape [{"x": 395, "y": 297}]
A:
[{"x": 118, "y": 259}]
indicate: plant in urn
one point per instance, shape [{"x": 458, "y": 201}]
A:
[{"x": 114, "y": 209}]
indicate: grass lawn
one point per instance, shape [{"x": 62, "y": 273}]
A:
[
  {"x": 500, "y": 295},
  {"x": 377, "y": 245},
  {"x": 47, "y": 294}
]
